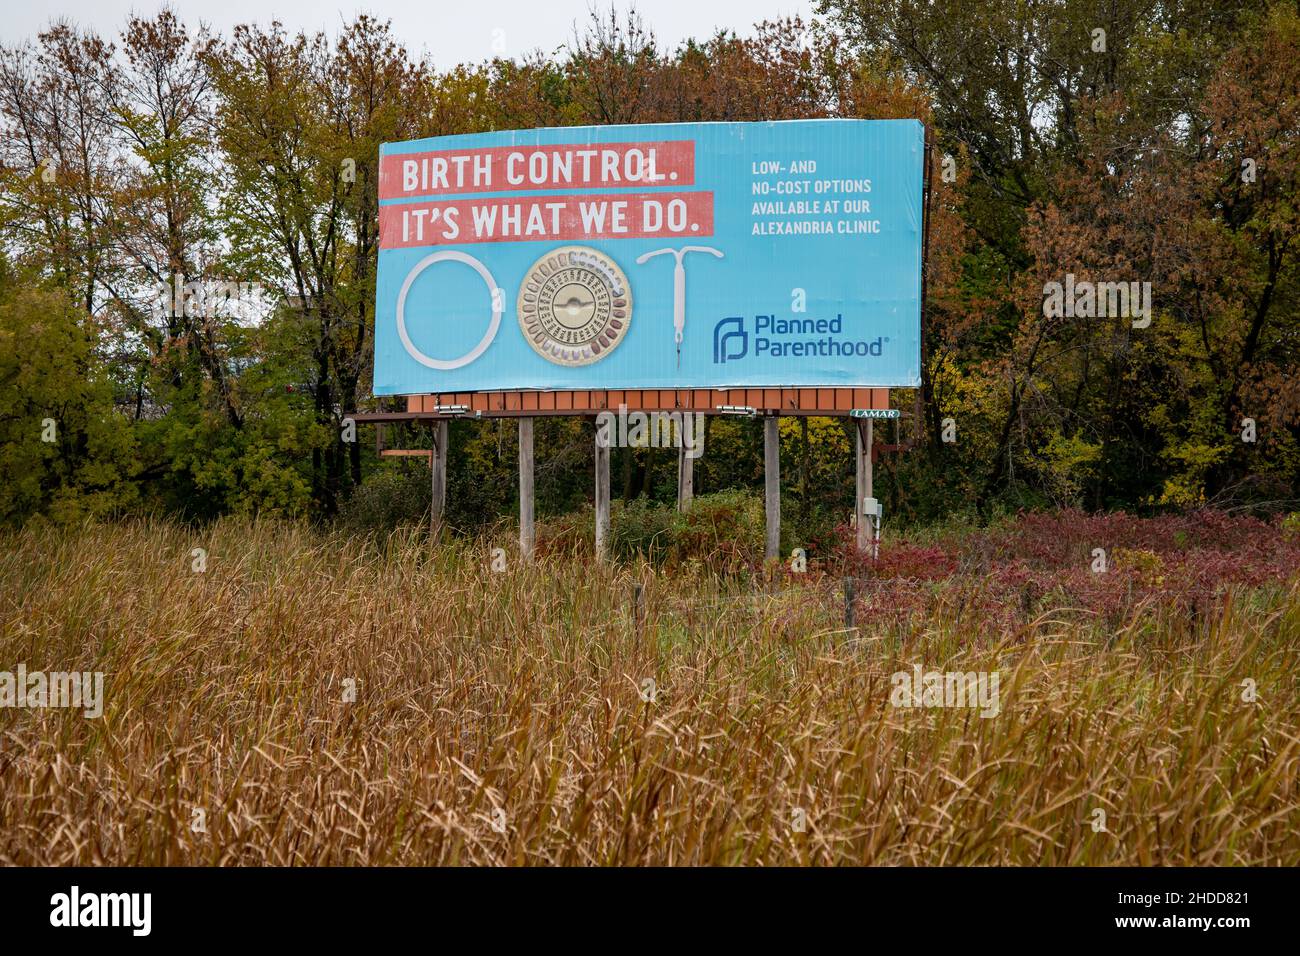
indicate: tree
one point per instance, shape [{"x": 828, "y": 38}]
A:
[{"x": 64, "y": 451}]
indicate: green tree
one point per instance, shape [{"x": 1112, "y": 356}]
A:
[{"x": 64, "y": 450}]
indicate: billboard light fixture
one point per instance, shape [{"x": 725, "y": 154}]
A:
[
  {"x": 737, "y": 410},
  {"x": 451, "y": 409}
]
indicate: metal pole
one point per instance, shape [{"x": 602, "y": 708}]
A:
[{"x": 875, "y": 545}]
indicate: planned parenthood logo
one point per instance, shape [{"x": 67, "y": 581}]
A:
[
  {"x": 801, "y": 338},
  {"x": 730, "y": 340}
]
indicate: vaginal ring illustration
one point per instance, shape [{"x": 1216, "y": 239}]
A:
[{"x": 448, "y": 255}]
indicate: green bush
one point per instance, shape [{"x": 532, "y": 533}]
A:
[
  {"x": 726, "y": 529},
  {"x": 723, "y": 530},
  {"x": 397, "y": 494},
  {"x": 641, "y": 527}
]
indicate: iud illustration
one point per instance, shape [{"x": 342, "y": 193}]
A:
[{"x": 679, "y": 288}]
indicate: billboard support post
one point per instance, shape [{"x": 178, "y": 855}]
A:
[
  {"x": 438, "y": 481},
  {"x": 865, "y": 482},
  {"x": 685, "y": 478},
  {"x": 602, "y": 493},
  {"x": 772, "y": 484},
  {"x": 527, "y": 532}
]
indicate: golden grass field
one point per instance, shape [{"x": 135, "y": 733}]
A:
[{"x": 499, "y": 717}]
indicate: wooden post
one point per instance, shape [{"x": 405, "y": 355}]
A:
[
  {"x": 869, "y": 462},
  {"x": 438, "y": 480},
  {"x": 527, "y": 531},
  {"x": 865, "y": 523},
  {"x": 772, "y": 484},
  {"x": 848, "y": 603},
  {"x": 602, "y": 490},
  {"x": 685, "y": 478},
  {"x": 859, "y": 485}
]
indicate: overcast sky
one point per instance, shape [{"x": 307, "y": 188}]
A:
[{"x": 450, "y": 32}]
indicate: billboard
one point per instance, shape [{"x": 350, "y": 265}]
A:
[{"x": 694, "y": 255}]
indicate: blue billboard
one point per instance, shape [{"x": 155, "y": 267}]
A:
[{"x": 694, "y": 255}]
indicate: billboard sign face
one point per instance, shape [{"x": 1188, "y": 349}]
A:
[{"x": 697, "y": 255}]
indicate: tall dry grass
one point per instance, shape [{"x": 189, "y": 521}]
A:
[{"x": 521, "y": 692}]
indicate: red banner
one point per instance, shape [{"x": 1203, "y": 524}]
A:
[
  {"x": 546, "y": 219},
  {"x": 509, "y": 169}
]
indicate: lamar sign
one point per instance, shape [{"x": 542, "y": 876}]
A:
[{"x": 638, "y": 257}]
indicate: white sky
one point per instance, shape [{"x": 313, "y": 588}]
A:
[{"x": 450, "y": 32}]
